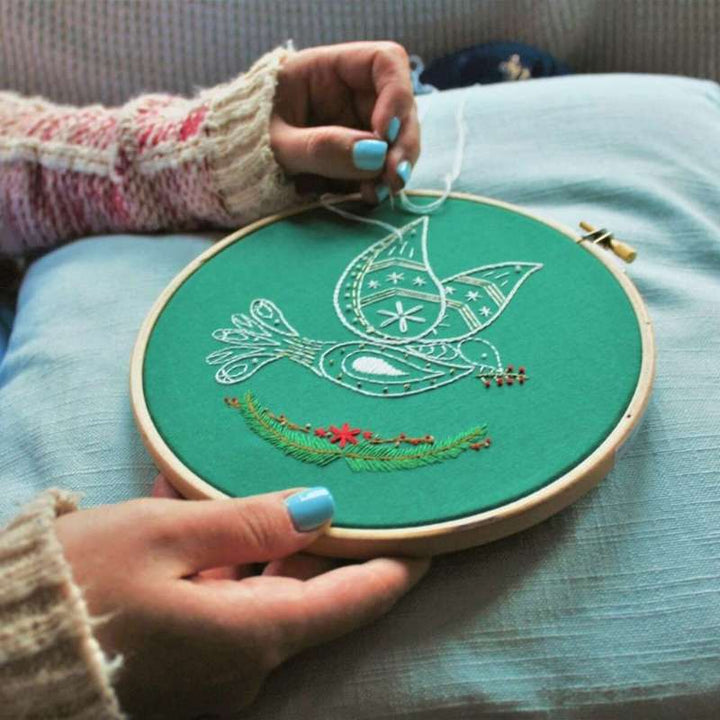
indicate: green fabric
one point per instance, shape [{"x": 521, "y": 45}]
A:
[{"x": 570, "y": 324}]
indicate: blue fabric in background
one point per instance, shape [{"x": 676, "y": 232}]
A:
[{"x": 608, "y": 610}]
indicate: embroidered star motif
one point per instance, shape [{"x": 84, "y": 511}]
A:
[
  {"x": 449, "y": 289},
  {"x": 485, "y": 311},
  {"x": 401, "y": 316},
  {"x": 395, "y": 277},
  {"x": 344, "y": 435},
  {"x": 373, "y": 284},
  {"x": 472, "y": 295},
  {"x": 417, "y": 280}
]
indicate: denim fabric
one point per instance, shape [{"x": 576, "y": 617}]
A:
[{"x": 608, "y": 610}]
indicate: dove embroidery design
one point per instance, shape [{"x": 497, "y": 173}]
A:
[{"x": 415, "y": 332}]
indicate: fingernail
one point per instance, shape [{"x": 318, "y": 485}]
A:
[
  {"x": 311, "y": 508},
  {"x": 393, "y": 129},
  {"x": 382, "y": 192},
  {"x": 369, "y": 154},
  {"x": 404, "y": 171}
]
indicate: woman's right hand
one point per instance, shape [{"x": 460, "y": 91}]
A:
[
  {"x": 345, "y": 115},
  {"x": 198, "y": 640}
]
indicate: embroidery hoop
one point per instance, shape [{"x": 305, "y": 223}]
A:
[{"x": 439, "y": 537}]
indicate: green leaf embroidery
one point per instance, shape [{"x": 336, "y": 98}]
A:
[{"x": 364, "y": 455}]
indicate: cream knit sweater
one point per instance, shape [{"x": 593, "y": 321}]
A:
[
  {"x": 51, "y": 666},
  {"x": 155, "y": 163}
]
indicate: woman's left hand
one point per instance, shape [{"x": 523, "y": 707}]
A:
[{"x": 347, "y": 113}]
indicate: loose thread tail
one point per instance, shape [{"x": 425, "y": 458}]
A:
[
  {"x": 325, "y": 201},
  {"x": 402, "y": 198},
  {"x": 450, "y": 177}
]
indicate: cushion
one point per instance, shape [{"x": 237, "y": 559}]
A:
[{"x": 608, "y": 609}]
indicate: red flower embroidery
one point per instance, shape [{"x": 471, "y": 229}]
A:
[
  {"x": 344, "y": 435},
  {"x": 321, "y": 432}
]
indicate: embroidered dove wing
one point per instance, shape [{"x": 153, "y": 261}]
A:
[
  {"x": 477, "y": 297},
  {"x": 383, "y": 371},
  {"x": 389, "y": 292}
]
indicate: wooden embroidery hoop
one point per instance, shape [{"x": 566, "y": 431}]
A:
[{"x": 441, "y": 537}]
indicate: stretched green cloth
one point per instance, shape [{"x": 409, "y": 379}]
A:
[{"x": 515, "y": 291}]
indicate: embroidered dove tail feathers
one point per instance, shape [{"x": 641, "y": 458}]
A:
[{"x": 258, "y": 339}]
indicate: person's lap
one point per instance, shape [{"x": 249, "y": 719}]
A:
[{"x": 603, "y": 611}]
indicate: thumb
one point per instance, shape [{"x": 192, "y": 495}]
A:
[
  {"x": 331, "y": 151},
  {"x": 215, "y": 533}
]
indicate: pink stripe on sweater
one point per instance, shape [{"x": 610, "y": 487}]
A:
[{"x": 68, "y": 172}]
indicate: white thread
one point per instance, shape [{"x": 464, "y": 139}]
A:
[
  {"x": 371, "y": 365},
  {"x": 254, "y": 345},
  {"x": 449, "y": 178},
  {"x": 231, "y": 372},
  {"x": 255, "y": 342},
  {"x": 402, "y": 198},
  {"x": 402, "y": 316},
  {"x": 437, "y": 351},
  {"x": 493, "y": 291},
  {"x": 443, "y": 374},
  {"x": 325, "y": 202},
  {"x": 263, "y": 310},
  {"x": 498, "y": 364},
  {"x": 401, "y": 378},
  {"x": 443, "y": 358},
  {"x": 366, "y": 261}
]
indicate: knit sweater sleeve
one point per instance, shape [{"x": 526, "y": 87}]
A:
[
  {"x": 51, "y": 666},
  {"x": 159, "y": 162}
]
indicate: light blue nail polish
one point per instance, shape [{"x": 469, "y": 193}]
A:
[
  {"x": 311, "y": 508},
  {"x": 382, "y": 192},
  {"x": 393, "y": 129},
  {"x": 369, "y": 154},
  {"x": 404, "y": 171}
]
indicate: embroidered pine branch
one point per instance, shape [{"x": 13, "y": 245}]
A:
[
  {"x": 295, "y": 443},
  {"x": 362, "y": 452},
  {"x": 378, "y": 458}
]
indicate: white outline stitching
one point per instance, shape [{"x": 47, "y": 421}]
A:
[
  {"x": 368, "y": 255},
  {"x": 254, "y": 337}
]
